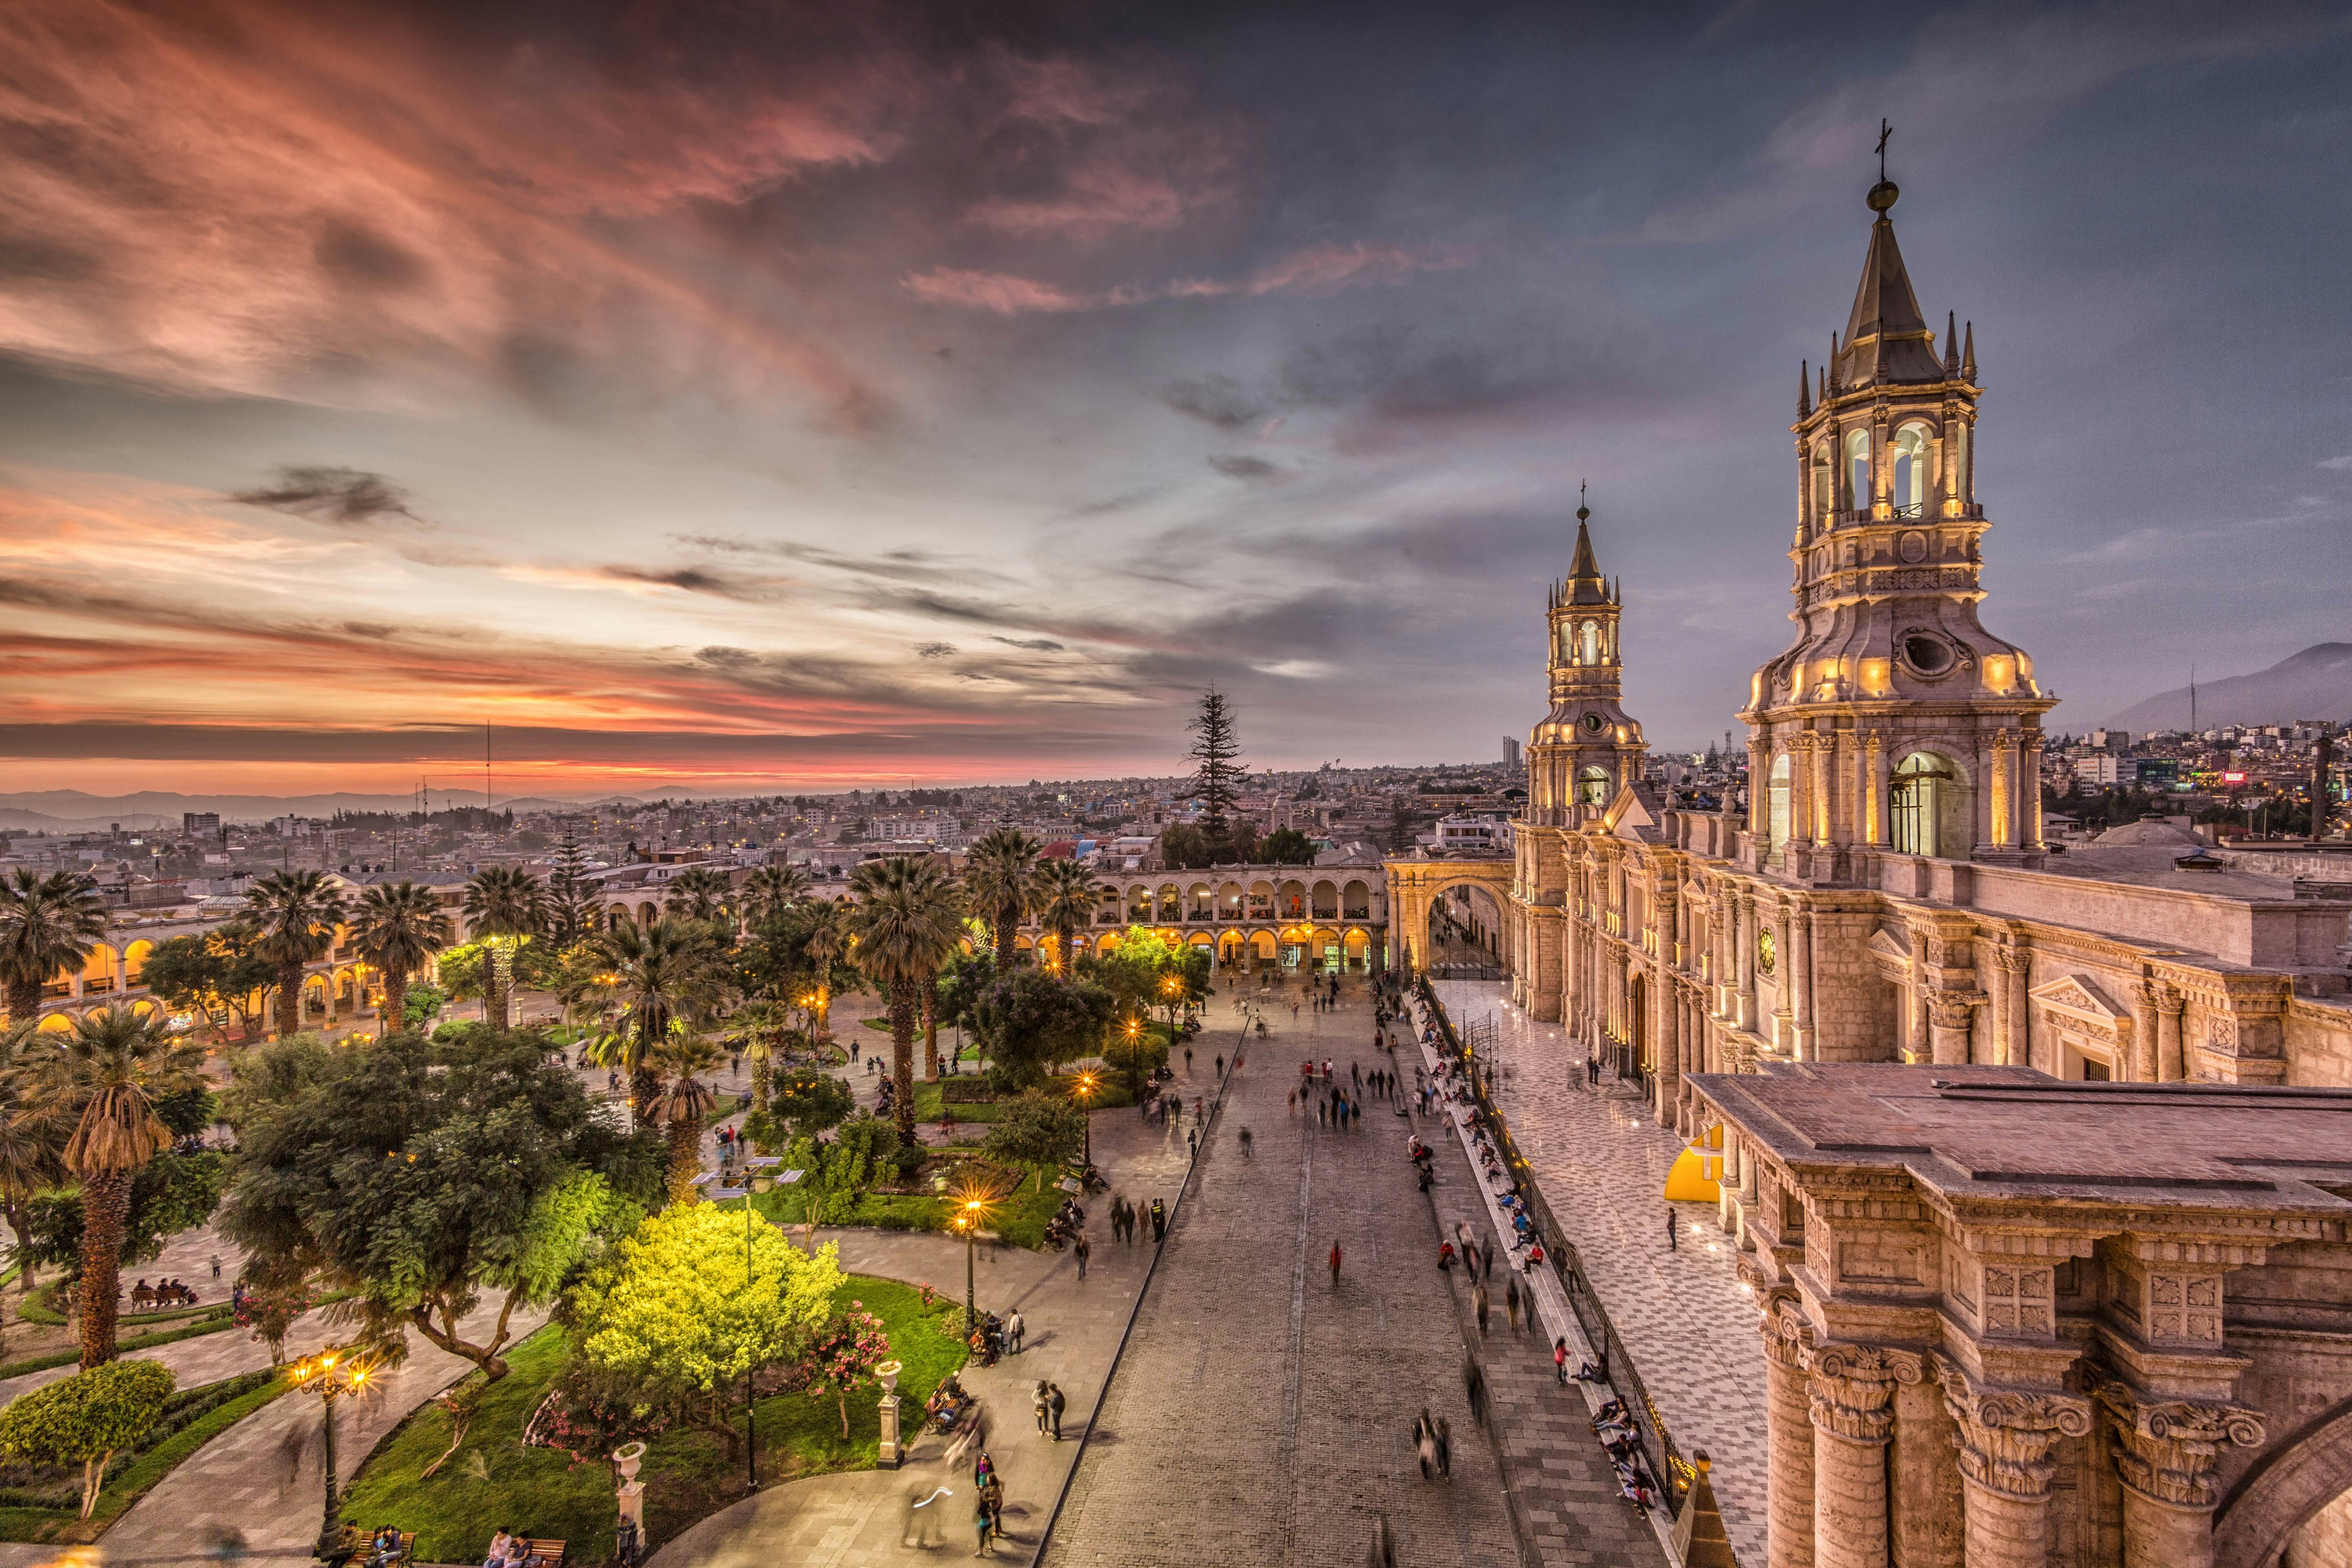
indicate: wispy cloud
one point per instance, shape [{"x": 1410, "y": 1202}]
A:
[
  {"x": 1316, "y": 270},
  {"x": 345, "y": 496}
]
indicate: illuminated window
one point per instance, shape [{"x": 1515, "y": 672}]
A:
[{"x": 1857, "y": 469}]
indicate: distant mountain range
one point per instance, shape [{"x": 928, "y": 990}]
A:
[
  {"x": 73, "y": 811},
  {"x": 2314, "y": 684}
]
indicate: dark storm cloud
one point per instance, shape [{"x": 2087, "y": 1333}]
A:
[
  {"x": 377, "y": 629},
  {"x": 698, "y": 580},
  {"x": 355, "y": 254},
  {"x": 935, "y": 650},
  {"x": 897, "y": 566},
  {"x": 1035, "y": 645},
  {"x": 347, "y": 497}
]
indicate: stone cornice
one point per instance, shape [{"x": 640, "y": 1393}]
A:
[{"x": 2166, "y": 1449}]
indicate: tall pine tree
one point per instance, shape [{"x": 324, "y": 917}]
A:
[{"x": 1217, "y": 774}]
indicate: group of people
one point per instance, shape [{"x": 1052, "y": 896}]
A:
[
  {"x": 164, "y": 1293},
  {"x": 507, "y": 1549},
  {"x": 1433, "y": 1439},
  {"x": 1125, "y": 1219}
]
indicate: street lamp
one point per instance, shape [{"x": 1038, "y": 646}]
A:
[
  {"x": 1134, "y": 1050},
  {"x": 329, "y": 1374},
  {"x": 974, "y": 1202},
  {"x": 1084, "y": 1091},
  {"x": 760, "y": 1182}
]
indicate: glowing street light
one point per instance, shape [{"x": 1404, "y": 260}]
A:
[
  {"x": 330, "y": 1375},
  {"x": 1084, "y": 1091},
  {"x": 974, "y": 1203}
]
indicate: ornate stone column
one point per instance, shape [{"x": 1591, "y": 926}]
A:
[
  {"x": 2005, "y": 1438},
  {"x": 2166, "y": 1451},
  {"x": 1759, "y": 767},
  {"x": 1874, "y": 789},
  {"x": 1787, "y": 1438},
  {"x": 1852, "y": 1416},
  {"x": 2141, "y": 1054},
  {"x": 1948, "y": 1028},
  {"x": 1800, "y": 960},
  {"x": 2170, "y": 1064},
  {"x": 1922, "y": 1474},
  {"x": 2004, "y": 790},
  {"x": 2029, "y": 789}
]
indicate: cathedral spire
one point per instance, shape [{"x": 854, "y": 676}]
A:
[
  {"x": 1585, "y": 585},
  {"x": 1886, "y": 339},
  {"x": 1804, "y": 389}
]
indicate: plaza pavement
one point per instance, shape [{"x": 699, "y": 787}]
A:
[{"x": 1600, "y": 1161}]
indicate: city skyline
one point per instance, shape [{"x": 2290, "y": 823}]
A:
[{"x": 835, "y": 400}]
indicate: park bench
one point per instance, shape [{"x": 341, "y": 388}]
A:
[{"x": 547, "y": 1552}]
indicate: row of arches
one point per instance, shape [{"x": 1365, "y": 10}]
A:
[
  {"x": 1842, "y": 481},
  {"x": 1172, "y": 902},
  {"x": 1929, "y": 806},
  {"x": 1335, "y": 949}
]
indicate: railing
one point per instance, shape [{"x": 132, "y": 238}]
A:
[{"x": 1665, "y": 1461}]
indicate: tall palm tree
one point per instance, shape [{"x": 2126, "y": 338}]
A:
[
  {"x": 503, "y": 905},
  {"x": 1066, "y": 897},
  {"x": 666, "y": 977},
  {"x": 682, "y": 1106},
  {"x": 769, "y": 891},
  {"x": 101, "y": 1079},
  {"x": 828, "y": 943},
  {"x": 296, "y": 913},
  {"x": 703, "y": 893},
  {"x": 763, "y": 1024},
  {"x": 908, "y": 920},
  {"x": 398, "y": 926},
  {"x": 29, "y": 1162},
  {"x": 46, "y": 923},
  {"x": 997, "y": 873}
]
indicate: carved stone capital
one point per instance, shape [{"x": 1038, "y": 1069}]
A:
[
  {"x": 1949, "y": 1010},
  {"x": 1852, "y": 1391},
  {"x": 2006, "y": 1435},
  {"x": 2166, "y": 1449},
  {"x": 1788, "y": 1338},
  {"x": 2169, "y": 1001}
]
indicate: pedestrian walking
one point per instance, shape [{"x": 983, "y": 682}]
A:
[
  {"x": 1188, "y": 1062},
  {"x": 1159, "y": 1220},
  {"x": 1670, "y": 1231},
  {"x": 1043, "y": 1405},
  {"x": 1290, "y": 1106},
  {"x": 1425, "y": 1443},
  {"x": 1445, "y": 1449},
  {"x": 216, "y": 1265},
  {"x": 1193, "y": 1143},
  {"x": 1054, "y": 1404},
  {"x": 1511, "y": 1301},
  {"x": 1221, "y": 1064},
  {"x": 1079, "y": 1249},
  {"x": 981, "y": 1520},
  {"x": 1474, "y": 1386},
  {"x": 1560, "y": 1361},
  {"x": 1245, "y": 1143},
  {"x": 1478, "y": 1301},
  {"x": 1015, "y": 1329},
  {"x": 1335, "y": 1264},
  {"x": 1322, "y": 1113},
  {"x": 1384, "y": 1544}
]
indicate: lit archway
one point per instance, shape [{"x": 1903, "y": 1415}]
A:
[{"x": 1927, "y": 807}]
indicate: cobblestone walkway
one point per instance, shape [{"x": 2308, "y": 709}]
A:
[
  {"x": 1601, "y": 1160},
  {"x": 1263, "y": 1414}
]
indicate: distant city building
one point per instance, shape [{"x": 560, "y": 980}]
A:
[
  {"x": 192, "y": 823},
  {"x": 1510, "y": 754}
]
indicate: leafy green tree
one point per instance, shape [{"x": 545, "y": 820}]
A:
[
  {"x": 101, "y": 1081},
  {"x": 425, "y": 1176},
  {"x": 908, "y": 922},
  {"x": 811, "y": 1100},
  {"x": 172, "y": 1194},
  {"x": 1286, "y": 846},
  {"x": 504, "y": 904},
  {"x": 216, "y": 973},
  {"x": 1034, "y": 1023},
  {"x": 30, "y": 1150},
  {"x": 422, "y": 1004},
  {"x": 294, "y": 915},
  {"x": 1183, "y": 847},
  {"x": 696, "y": 1300},
  {"x": 396, "y": 927},
  {"x": 46, "y": 923},
  {"x": 1036, "y": 1128},
  {"x": 86, "y": 1419},
  {"x": 998, "y": 881}
]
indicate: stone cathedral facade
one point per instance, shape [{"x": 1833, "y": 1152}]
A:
[{"x": 1886, "y": 894}]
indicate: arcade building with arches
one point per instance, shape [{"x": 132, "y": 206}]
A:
[{"x": 1992, "y": 1110}]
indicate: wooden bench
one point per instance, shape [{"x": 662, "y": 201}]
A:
[{"x": 548, "y": 1552}]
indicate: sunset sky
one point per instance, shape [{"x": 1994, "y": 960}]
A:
[{"x": 718, "y": 396}]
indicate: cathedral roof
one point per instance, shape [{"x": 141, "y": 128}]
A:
[{"x": 1886, "y": 334}]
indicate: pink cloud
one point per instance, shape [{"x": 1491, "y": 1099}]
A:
[{"x": 1000, "y": 293}]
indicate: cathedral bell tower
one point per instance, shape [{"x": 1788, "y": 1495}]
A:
[
  {"x": 1895, "y": 723},
  {"x": 1586, "y": 746}
]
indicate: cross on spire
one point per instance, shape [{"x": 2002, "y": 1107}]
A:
[{"x": 1885, "y": 131}]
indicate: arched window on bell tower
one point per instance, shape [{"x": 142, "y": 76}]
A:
[
  {"x": 1824, "y": 477},
  {"x": 1592, "y": 787},
  {"x": 1857, "y": 470},
  {"x": 1910, "y": 488},
  {"x": 1588, "y": 643}
]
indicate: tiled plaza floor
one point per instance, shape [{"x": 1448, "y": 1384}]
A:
[{"x": 1600, "y": 1160}]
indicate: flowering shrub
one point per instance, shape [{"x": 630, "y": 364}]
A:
[
  {"x": 844, "y": 1356},
  {"x": 589, "y": 1413},
  {"x": 270, "y": 1313}
]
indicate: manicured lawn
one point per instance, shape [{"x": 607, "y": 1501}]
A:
[{"x": 493, "y": 1481}]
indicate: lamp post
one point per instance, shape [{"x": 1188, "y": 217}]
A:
[
  {"x": 329, "y": 1374},
  {"x": 1084, "y": 1091},
  {"x": 760, "y": 1182}
]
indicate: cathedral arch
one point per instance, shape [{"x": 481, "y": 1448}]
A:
[
  {"x": 1592, "y": 787},
  {"x": 1824, "y": 481},
  {"x": 1857, "y": 470},
  {"x": 1929, "y": 806},
  {"x": 2287, "y": 1485},
  {"x": 1588, "y": 643}
]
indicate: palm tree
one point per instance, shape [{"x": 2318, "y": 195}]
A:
[
  {"x": 682, "y": 1106},
  {"x": 46, "y": 923},
  {"x": 1064, "y": 893},
  {"x": 28, "y": 1152},
  {"x": 907, "y": 922},
  {"x": 102, "y": 1079},
  {"x": 769, "y": 891},
  {"x": 666, "y": 977},
  {"x": 396, "y": 928},
  {"x": 763, "y": 1024},
  {"x": 827, "y": 943},
  {"x": 700, "y": 893},
  {"x": 998, "y": 873},
  {"x": 296, "y": 913},
  {"x": 503, "y": 903}
]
